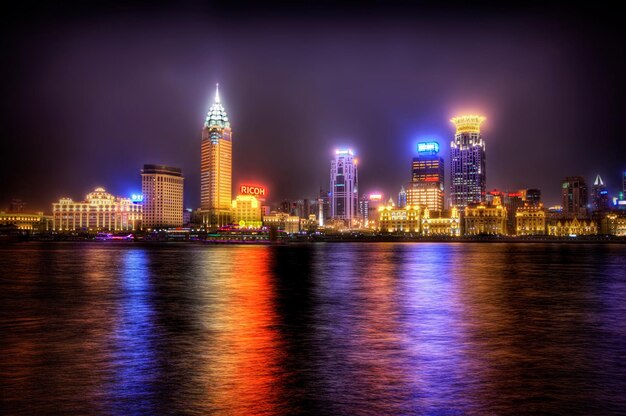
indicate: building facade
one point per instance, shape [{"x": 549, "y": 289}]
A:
[
  {"x": 246, "y": 211},
  {"x": 162, "y": 188},
  {"x": 467, "y": 154},
  {"x": 100, "y": 211},
  {"x": 530, "y": 220},
  {"x": 435, "y": 224},
  {"x": 216, "y": 167},
  {"x": 613, "y": 223},
  {"x": 574, "y": 197},
  {"x": 282, "y": 221},
  {"x": 344, "y": 194},
  {"x": 571, "y": 228},
  {"x": 394, "y": 219},
  {"x": 427, "y": 178},
  {"x": 485, "y": 219},
  {"x": 25, "y": 221}
]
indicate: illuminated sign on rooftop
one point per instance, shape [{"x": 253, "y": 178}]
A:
[
  {"x": 428, "y": 147},
  {"x": 344, "y": 152},
  {"x": 136, "y": 197},
  {"x": 252, "y": 190},
  {"x": 375, "y": 197}
]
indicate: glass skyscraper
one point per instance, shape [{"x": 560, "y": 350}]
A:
[
  {"x": 216, "y": 168},
  {"x": 344, "y": 195},
  {"x": 467, "y": 154}
]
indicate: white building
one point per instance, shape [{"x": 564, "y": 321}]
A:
[
  {"x": 162, "y": 188},
  {"x": 344, "y": 195},
  {"x": 99, "y": 211}
]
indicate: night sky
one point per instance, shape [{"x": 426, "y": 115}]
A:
[{"x": 90, "y": 95}]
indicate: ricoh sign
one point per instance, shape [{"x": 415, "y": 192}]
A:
[{"x": 252, "y": 190}]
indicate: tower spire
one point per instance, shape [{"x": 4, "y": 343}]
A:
[
  {"x": 217, "y": 92},
  {"x": 598, "y": 181}
]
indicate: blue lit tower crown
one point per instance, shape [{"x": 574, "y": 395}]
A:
[{"x": 467, "y": 154}]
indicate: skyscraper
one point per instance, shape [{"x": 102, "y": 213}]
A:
[
  {"x": 402, "y": 198},
  {"x": 467, "y": 153},
  {"x": 600, "y": 195},
  {"x": 427, "y": 178},
  {"x": 162, "y": 189},
  {"x": 216, "y": 167},
  {"x": 574, "y": 193},
  {"x": 344, "y": 195}
]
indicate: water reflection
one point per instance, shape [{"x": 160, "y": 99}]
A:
[
  {"x": 132, "y": 336},
  {"x": 242, "y": 358},
  {"x": 318, "y": 329}
]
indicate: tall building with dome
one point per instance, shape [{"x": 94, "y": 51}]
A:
[
  {"x": 467, "y": 154},
  {"x": 216, "y": 167}
]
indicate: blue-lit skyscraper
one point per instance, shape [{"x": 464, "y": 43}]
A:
[
  {"x": 402, "y": 198},
  {"x": 467, "y": 154},
  {"x": 344, "y": 195},
  {"x": 427, "y": 178}
]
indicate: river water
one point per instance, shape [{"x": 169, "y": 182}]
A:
[{"x": 324, "y": 329}]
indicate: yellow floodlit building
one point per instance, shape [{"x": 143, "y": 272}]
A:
[
  {"x": 573, "y": 227},
  {"x": 434, "y": 224},
  {"x": 614, "y": 224},
  {"x": 530, "y": 220},
  {"x": 282, "y": 221},
  {"x": 23, "y": 220},
  {"x": 216, "y": 167},
  {"x": 485, "y": 218},
  {"x": 407, "y": 219},
  {"x": 246, "y": 211},
  {"x": 99, "y": 211}
]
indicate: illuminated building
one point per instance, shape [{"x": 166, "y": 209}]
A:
[
  {"x": 100, "y": 211},
  {"x": 511, "y": 201},
  {"x": 246, "y": 211},
  {"x": 624, "y": 183},
  {"x": 435, "y": 224},
  {"x": 22, "y": 220},
  {"x": 485, "y": 218},
  {"x": 394, "y": 219},
  {"x": 323, "y": 208},
  {"x": 571, "y": 228},
  {"x": 344, "y": 195},
  {"x": 282, "y": 221},
  {"x": 467, "y": 154},
  {"x": 216, "y": 167},
  {"x": 162, "y": 188},
  {"x": 600, "y": 195},
  {"x": 530, "y": 219},
  {"x": 402, "y": 198},
  {"x": 613, "y": 223},
  {"x": 427, "y": 178},
  {"x": 368, "y": 209},
  {"x": 574, "y": 196}
]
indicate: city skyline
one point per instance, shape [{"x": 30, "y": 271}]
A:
[{"x": 148, "y": 109}]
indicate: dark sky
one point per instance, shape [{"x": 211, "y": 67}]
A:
[{"x": 90, "y": 95}]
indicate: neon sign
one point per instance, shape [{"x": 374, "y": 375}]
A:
[
  {"x": 252, "y": 190},
  {"x": 375, "y": 197},
  {"x": 428, "y": 147},
  {"x": 344, "y": 152},
  {"x": 136, "y": 197}
]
